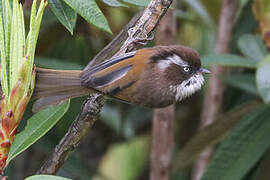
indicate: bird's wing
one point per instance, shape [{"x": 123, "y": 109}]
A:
[{"x": 117, "y": 73}]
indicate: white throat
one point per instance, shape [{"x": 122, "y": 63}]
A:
[{"x": 188, "y": 87}]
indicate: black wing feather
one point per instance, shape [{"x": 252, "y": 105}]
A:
[
  {"x": 98, "y": 82},
  {"x": 89, "y": 80}
]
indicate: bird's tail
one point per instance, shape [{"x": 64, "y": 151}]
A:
[{"x": 54, "y": 86}]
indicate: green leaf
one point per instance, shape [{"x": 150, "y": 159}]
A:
[
  {"x": 4, "y": 68},
  {"x": 46, "y": 177},
  {"x": 245, "y": 24},
  {"x": 30, "y": 44},
  {"x": 242, "y": 148},
  {"x": 263, "y": 79},
  {"x": 15, "y": 47},
  {"x": 131, "y": 158},
  {"x": 90, "y": 11},
  {"x": 245, "y": 82},
  {"x": 1, "y": 3},
  {"x": 228, "y": 60},
  {"x": 65, "y": 14},
  {"x": 114, "y": 3},
  {"x": 242, "y": 4},
  {"x": 252, "y": 46},
  {"x": 7, "y": 19},
  {"x": 37, "y": 126},
  {"x": 213, "y": 133},
  {"x": 142, "y": 3}
]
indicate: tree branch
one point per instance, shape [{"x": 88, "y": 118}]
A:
[
  {"x": 84, "y": 121},
  {"x": 77, "y": 130},
  {"x": 213, "y": 98},
  {"x": 163, "y": 119},
  {"x": 109, "y": 50}
]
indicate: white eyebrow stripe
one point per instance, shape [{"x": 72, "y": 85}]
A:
[
  {"x": 177, "y": 60},
  {"x": 164, "y": 64}
]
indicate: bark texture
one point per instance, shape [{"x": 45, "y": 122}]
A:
[{"x": 76, "y": 132}]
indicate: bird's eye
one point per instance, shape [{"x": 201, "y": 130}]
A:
[{"x": 186, "y": 69}]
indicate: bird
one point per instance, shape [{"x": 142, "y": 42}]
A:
[{"x": 152, "y": 77}]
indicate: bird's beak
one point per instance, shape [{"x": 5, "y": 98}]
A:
[{"x": 203, "y": 70}]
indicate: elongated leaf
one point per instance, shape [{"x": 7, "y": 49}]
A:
[
  {"x": 38, "y": 125},
  {"x": 245, "y": 82},
  {"x": 228, "y": 60},
  {"x": 245, "y": 24},
  {"x": 30, "y": 43},
  {"x": 46, "y": 177},
  {"x": 5, "y": 23},
  {"x": 65, "y": 14},
  {"x": 1, "y": 3},
  {"x": 90, "y": 11},
  {"x": 4, "y": 76},
  {"x": 142, "y": 3},
  {"x": 114, "y": 3},
  {"x": 242, "y": 4},
  {"x": 252, "y": 46},
  {"x": 263, "y": 79},
  {"x": 8, "y": 21},
  {"x": 242, "y": 148},
  {"x": 213, "y": 133},
  {"x": 14, "y": 45}
]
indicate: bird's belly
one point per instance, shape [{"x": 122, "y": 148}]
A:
[{"x": 147, "y": 98}]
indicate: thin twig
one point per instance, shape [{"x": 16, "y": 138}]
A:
[
  {"x": 163, "y": 119},
  {"x": 213, "y": 98},
  {"x": 84, "y": 121}
]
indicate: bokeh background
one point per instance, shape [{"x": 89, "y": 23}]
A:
[{"x": 119, "y": 144}]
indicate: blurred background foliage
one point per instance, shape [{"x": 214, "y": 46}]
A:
[{"x": 118, "y": 145}]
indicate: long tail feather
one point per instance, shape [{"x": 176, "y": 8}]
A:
[{"x": 55, "y": 86}]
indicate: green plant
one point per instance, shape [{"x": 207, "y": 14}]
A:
[{"x": 17, "y": 68}]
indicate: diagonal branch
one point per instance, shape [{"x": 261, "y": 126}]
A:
[{"x": 142, "y": 26}]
